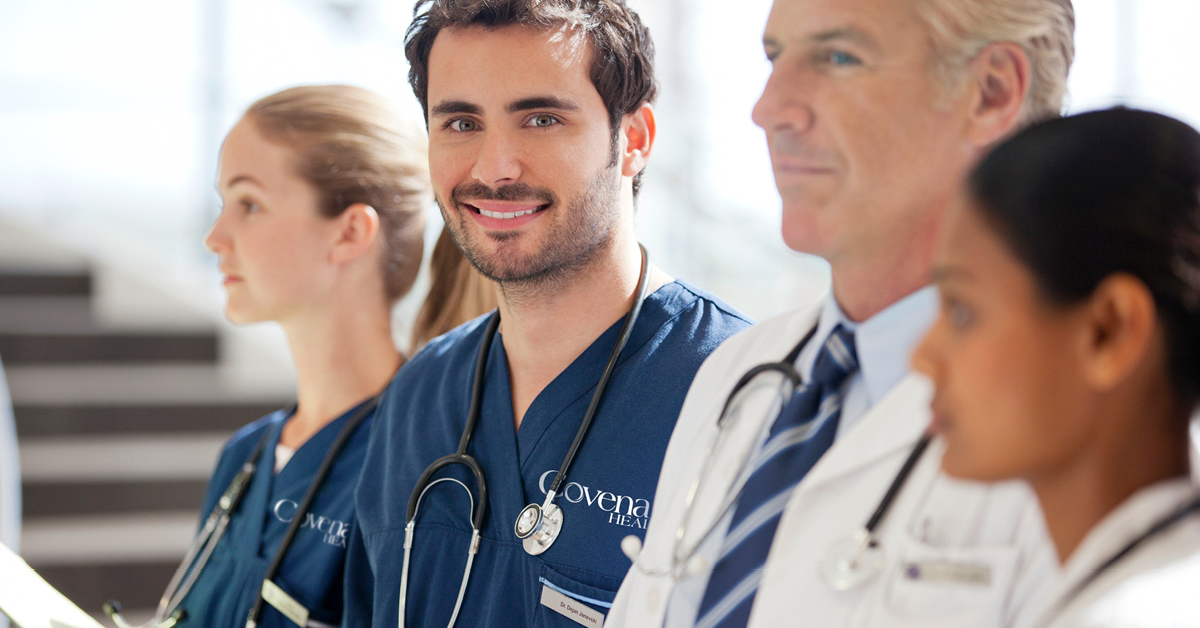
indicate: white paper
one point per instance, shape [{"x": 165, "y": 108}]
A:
[{"x": 30, "y": 602}]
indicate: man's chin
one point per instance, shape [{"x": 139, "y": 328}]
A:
[{"x": 802, "y": 234}]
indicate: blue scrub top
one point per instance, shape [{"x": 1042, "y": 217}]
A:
[
  {"x": 609, "y": 486},
  {"x": 313, "y": 567}
]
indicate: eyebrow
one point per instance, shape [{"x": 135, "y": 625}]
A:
[
  {"x": 947, "y": 273},
  {"x": 240, "y": 179},
  {"x": 846, "y": 33},
  {"x": 451, "y": 107},
  {"x": 543, "y": 102}
]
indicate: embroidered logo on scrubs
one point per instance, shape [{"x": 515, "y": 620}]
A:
[
  {"x": 333, "y": 531},
  {"x": 621, "y": 510}
]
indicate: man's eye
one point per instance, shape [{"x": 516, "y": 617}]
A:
[
  {"x": 543, "y": 121},
  {"x": 462, "y": 125},
  {"x": 841, "y": 59}
]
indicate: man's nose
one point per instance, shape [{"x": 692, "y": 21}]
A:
[
  {"x": 499, "y": 161},
  {"x": 785, "y": 103}
]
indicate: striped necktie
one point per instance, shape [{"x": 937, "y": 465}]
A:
[{"x": 801, "y": 434}]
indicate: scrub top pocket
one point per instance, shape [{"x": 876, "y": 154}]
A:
[{"x": 566, "y": 602}]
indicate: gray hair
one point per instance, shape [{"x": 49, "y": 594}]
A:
[{"x": 1044, "y": 29}]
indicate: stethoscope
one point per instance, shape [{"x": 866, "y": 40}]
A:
[
  {"x": 538, "y": 525},
  {"x": 168, "y": 613},
  {"x": 845, "y": 565},
  {"x": 1159, "y": 527}
]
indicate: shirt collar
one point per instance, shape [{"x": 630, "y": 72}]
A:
[{"x": 884, "y": 342}]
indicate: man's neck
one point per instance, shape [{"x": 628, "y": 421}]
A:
[
  {"x": 867, "y": 285},
  {"x": 544, "y": 333}
]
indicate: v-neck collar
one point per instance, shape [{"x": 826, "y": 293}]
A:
[
  {"x": 252, "y": 513},
  {"x": 579, "y": 379},
  {"x": 308, "y": 457}
]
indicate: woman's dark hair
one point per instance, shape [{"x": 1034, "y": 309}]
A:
[{"x": 1078, "y": 199}]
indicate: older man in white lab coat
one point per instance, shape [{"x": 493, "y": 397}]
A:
[{"x": 874, "y": 111}]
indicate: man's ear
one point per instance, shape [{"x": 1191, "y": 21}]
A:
[
  {"x": 1120, "y": 330},
  {"x": 357, "y": 228},
  {"x": 999, "y": 81},
  {"x": 637, "y": 138}
]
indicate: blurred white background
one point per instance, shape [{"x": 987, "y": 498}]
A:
[{"x": 111, "y": 114}]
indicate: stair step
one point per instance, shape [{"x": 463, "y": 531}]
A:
[
  {"x": 60, "y": 499},
  {"x": 118, "y": 458},
  {"x": 129, "y": 558},
  {"x": 118, "y": 384},
  {"x": 16, "y": 283},
  {"x": 77, "y": 420},
  {"x": 108, "y": 539},
  {"x": 135, "y": 585},
  {"x": 39, "y": 314},
  {"x": 106, "y": 347}
]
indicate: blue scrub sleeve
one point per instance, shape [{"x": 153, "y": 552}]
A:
[{"x": 359, "y": 583}]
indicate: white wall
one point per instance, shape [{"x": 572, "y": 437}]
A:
[{"x": 111, "y": 114}]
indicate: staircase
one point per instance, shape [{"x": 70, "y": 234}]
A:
[{"x": 119, "y": 427}]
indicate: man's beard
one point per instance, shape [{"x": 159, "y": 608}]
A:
[{"x": 583, "y": 228}]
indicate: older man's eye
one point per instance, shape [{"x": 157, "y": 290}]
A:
[{"x": 839, "y": 58}]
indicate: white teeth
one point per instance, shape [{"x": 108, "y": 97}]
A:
[{"x": 506, "y": 216}]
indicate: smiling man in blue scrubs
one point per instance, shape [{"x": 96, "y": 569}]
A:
[{"x": 540, "y": 123}]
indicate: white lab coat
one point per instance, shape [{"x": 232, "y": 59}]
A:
[
  {"x": 1156, "y": 585},
  {"x": 935, "y": 520}
]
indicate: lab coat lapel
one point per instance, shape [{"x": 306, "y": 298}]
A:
[
  {"x": 758, "y": 408},
  {"x": 896, "y": 422}
]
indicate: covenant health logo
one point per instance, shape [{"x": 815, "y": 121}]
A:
[
  {"x": 622, "y": 510},
  {"x": 333, "y": 531}
]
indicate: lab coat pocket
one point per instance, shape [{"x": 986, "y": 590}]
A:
[
  {"x": 949, "y": 586},
  {"x": 568, "y": 602}
]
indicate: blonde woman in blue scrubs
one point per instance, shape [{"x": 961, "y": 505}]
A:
[{"x": 321, "y": 232}]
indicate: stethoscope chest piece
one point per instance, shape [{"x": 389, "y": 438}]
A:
[
  {"x": 538, "y": 527},
  {"x": 852, "y": 562}
]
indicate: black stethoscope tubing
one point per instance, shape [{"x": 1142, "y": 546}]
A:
[
  {"x": 1159, "y": 527},
  {"x": 462, "y": 457},
  {"x": 478, "y": 513},
  {"x": 602, "y": 385},
  {"x": 786, "y": 367},
  {"x": 309, "y": 497}
]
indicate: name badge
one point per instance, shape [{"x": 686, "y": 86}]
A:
[
  {"x": 958, "y": 573},
  {"x": 571, "y": 609},
  {"x": 284, "y": 603}
]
